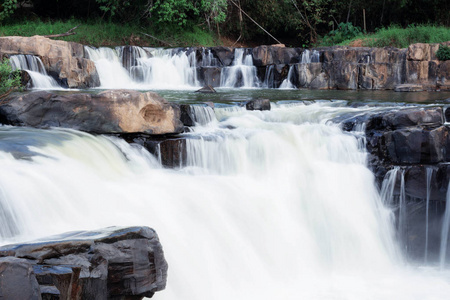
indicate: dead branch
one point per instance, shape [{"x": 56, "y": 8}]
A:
[
  {"x": 70, "y": 32},
  {"x": 255, "y": 21}
]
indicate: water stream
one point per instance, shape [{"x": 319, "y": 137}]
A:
[{"x": 270, "y": 205}]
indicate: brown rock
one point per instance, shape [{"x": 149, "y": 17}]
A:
[
  {"x": 419, "y": 52},
  {"x": 114, "y": 111},
  {"x": 63, "y": 58}
]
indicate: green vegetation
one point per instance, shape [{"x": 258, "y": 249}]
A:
[
  {"x": 9, "y": 80},
  {"x": 103, "y": 33},
  {"x": 345, "y": 31},
  {"x": 196, "y": 22},
  {"x": 396, "y": 36},
  {"x": 443, "y": 53}
]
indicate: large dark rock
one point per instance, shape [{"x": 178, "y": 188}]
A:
[
  {"x": 275, "y": 55},
  {"x": 115, "y": 111},
  {"x": 225, "y": 55},
  {"x": 258, "y": 104},
  {"x": 210, "y": 76},
  {"x": 112, "y": 263},
  {"x": 17, "y": 279}
]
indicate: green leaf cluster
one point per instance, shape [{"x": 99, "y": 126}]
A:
[
  {"x": 443, "y": 53},
  {"x": 9, "y": 80},
  {"x": 344, "y": 31},
  {"x": 7, "y": 8}
]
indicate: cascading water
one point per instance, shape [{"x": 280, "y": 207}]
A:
[
  {"x": 35, "y": 68},
  {"x": 271, "y": 205},
  {"x": 287, "y": 83},
  {"x": 242, "y": 73},
  {"x": 445, "y": 231},
  {"x": 144, "y": 68},
  {"x": 310, "y": 56}
]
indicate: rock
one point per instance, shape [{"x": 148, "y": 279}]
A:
[
  {"x": 63, "y": 58},
  {"x": 225, "y": 55},
  {"x": 408, "y": 88},
  {"x": 210, "y": 76},
  {"x": 108, "y": 263},
  {"x": 427, "y": 116},
  {"x": 17, "y": 279},
  {"x": 419, "y": 52},
  {"x": 275, "y": 55},
  {"x": 115, "y": 111},
  {"x": 258, "y": 104},
  {"x": 206, "y": 90}
]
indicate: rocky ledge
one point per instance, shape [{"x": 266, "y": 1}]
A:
[
  {"x": 115, "y": 111},
  {"x": 111, "y": 263},
  {"x": 410, "y": 149}
]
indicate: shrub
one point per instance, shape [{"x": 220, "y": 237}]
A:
[
  {"x": 443, "y": 53},
  {"x": 345, "y": 31},
  {"x": 9, "y": 80}
]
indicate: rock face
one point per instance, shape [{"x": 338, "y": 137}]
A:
[
  {"x": 116, "y": 111},
  {"x": 112, "y": 263},
  {"x": 413, "y": 145},
  {"x": 66, "y": 60}
]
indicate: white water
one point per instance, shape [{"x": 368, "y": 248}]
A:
[
  {"x": 242, "y": 73},
  {"x": 310, "y": 56},
  {"x": 445, "y": 231},
  {"x": 281, "y": 207},
  {"x": 35, "y": 68},
  {"x": 161, "y": 69},
  {"x": 287, "y": 83}
]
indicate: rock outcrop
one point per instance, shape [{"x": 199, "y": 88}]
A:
[
  {"x": 65, "y": 60},
  {"x": 115, "y": 111},
  {"x": 411, "y": 146},
  {"x": 112, "y": 263}
]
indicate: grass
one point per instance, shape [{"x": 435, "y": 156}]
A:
[
  {"x": 101, "y": 33},
  {"x": 395, "y": 36}
]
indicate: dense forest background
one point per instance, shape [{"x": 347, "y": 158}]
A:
[{"x": 298, "y": 22}]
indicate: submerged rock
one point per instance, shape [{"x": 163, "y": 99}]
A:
[
  {"x": 206, "y": 90},
  {"x": 258, "y": 104},
  {"x": 115, "y": 111},
  {"x": 111, "y": 263}
]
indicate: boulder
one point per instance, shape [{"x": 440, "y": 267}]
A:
[
  {"x": 210, "y": 76},
  {"x": 115, "y": 111},
  {"x": 17, "y": 279},
  {"x": 207, "y": 89},
  {"x": 258, "y": 104},
  {"x": 225, "y": 55},
  {"x": 125, "y": 263},
  {"x": 66, "y": 59},
  {"x": 278, "y": 55},
  {"x": 419, "y": 52}
]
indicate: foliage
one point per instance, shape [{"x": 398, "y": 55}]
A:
[
  {"x": 102, "y": 33},
  {"x": 9, "y": 80},
  {"x": 7, "y": 8},
  {"x": 395, "y": 36},
  {"x": 345, "y": 31},
  {"x": 443, "y": 53}
]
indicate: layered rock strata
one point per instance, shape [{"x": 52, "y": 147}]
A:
[{"x": 112, "y": 263}]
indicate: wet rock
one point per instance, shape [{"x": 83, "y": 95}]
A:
[
  {"x": 105, "y": 264},
  {"x": 225, "y": 55},
  {"x": 419, "y": 52},
  {"x": 17, "y": 279},
  {"x": 210, "y": 76},
  {"x": 115, "y": 111},
  {"x": 275, "y": 55},
  {"x": 258, "y": 104},
  {"x": 63, "y": 58},
  {"x": 428, "y": 116}
]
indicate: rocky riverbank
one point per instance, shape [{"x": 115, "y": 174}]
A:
[
  {"x": 349, "y": 68},
  {"x": 111, "y": 263}
]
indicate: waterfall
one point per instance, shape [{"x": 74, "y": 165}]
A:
[
  {"x": 287, "y": 83},
  {"x": 445, "y": 230},
  {"x": 139, "y": 68},
  {"x": 427, "y": 211},
  {"x": 269, "y": 77},
  {"x": 208, "y": 59},
  {"x": 35, "y": 68},
  {"x": 310, "y": 56},
  {"x": 202, "y": 114},
  {"x": 242, "y": 73},
  {"x": 271, "y": 205}
]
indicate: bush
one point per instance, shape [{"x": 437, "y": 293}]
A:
[
  {"x": 9, "y": 80},
  {"x": 345, "y": 31},
  {"x": 443, "y": 53}
]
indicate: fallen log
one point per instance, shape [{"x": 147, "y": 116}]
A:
[{"x": 70, "y": 32}]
